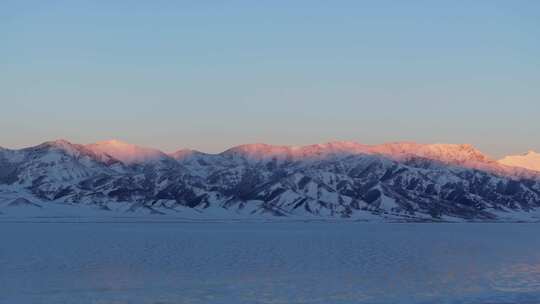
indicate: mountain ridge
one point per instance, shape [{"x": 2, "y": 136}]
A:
[
  {"x": 337, "y": 179},
  {"x": 529, "y": 160},
  {"x": 397, "y": 148}
]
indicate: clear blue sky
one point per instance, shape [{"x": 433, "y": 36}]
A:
[{"x": 213, "y": 74}]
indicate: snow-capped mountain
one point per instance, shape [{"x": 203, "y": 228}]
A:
[
  {"x": 529, "y": 160},
  {"x": 126, "y": 153},
  {"x": 337, "y": 179}
]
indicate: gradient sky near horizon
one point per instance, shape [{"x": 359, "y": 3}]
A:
[{"x": 213, "y": 74}]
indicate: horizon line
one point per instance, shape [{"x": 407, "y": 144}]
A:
[{"x": 289, "y": 146}]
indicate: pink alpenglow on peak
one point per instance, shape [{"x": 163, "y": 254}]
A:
[
  {"x": 447, "y": 153},
  {"x": 264, "y": 151},
  {"x": 529, "y": 160},
  {"x": 461, "y": 155},
  {"x": 126, "y": 153}
]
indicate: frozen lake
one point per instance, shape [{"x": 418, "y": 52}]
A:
[{"x": 102, "y": 263}]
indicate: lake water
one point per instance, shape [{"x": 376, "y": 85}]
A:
[{"x": 296, "y": 262}]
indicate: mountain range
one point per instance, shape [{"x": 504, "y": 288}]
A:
[{"x": 397, "y": 181}]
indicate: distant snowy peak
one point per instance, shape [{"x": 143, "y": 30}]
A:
[
  {"x": 54, "y": 152},
  {"x": 126, "y": 153},
  {"x": 60, "y": 145},
  {"x": 529, "y": 160},
  {"x": 185, "y": 154}
]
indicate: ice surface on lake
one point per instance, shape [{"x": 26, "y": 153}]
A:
[{"x": 296, "y": 262}]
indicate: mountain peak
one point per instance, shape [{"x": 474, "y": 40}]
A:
[
  {"x": 184, "y": 153},
  {"x": 57, "y": 143},
  {"x": 60, "y": 144},
  {"x": 529, "y": 160},
  {"x": 126, "y": 152},
  {"x": 61, "y": 141}
]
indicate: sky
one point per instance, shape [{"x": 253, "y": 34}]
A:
[{"x": 210, "y": 75}]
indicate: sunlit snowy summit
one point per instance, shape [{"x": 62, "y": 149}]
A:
[{"x": 529, "y": 160}]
